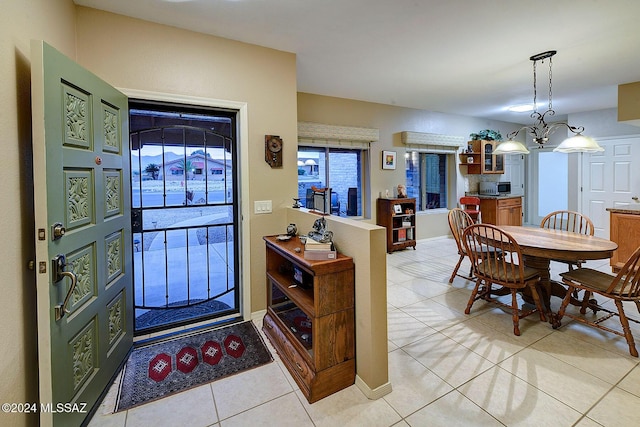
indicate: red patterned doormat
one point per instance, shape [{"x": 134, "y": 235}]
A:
[{"x": 160, "y": 369}]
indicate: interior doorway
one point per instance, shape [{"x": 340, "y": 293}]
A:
[
  {"x": 185, "y": 216},
  {"x": 551, "y": 188}
]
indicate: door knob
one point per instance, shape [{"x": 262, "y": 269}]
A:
[{"x": 635, "y": 198}]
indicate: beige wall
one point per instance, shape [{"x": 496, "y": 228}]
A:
[
  {"x": 629, "y": 103},
  {"x": 392, "y": 120},
  {"x": 21, "y": 21}
]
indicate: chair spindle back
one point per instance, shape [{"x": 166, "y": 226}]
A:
[
  {"x": 478, "y": 238},
  {"x": 627, "y": 281},
  {"x": 568, "y": 221}
]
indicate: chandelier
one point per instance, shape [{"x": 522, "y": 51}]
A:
[{"x": 541, "y": 130}]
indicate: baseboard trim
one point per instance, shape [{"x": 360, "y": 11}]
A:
[
  {"x": 370, "y": 393},
  {"x": 258, "y": 315}
]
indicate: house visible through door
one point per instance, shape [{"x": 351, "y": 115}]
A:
[{"x": 184, "y": 178}]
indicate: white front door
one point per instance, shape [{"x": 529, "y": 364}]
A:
[
  {"x": 83, "y": 244},
  {"x": 610, "y": 179}
]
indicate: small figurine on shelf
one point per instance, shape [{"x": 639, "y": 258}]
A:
[
  {"x": 320, "y": 233},
  {"x": 402, "y": 191}
]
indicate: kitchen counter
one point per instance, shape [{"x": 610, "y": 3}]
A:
[
  {"x": 501, "y": 209},
  {"x": 632, "y": 210},
  {"x": 493, "y": 196},
  {"x": 624, "y": 229}
]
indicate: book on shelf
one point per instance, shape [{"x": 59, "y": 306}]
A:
[
  {"x": 402, "y": 235},
  {"x": 313, "y": 245},
  {"x": 320, "y": 255}
]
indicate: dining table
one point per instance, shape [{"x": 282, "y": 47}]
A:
[{"x": 540, "y": 246}]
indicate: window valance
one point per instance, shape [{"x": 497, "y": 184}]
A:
[
  {"x": 332, "y": 135},
  {"x": 433, "y": 142}
]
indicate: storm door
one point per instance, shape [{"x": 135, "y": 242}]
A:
[{"x": 184, "y": 176}]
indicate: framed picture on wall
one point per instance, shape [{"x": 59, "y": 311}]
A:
[{"x": 388, "y": 160}]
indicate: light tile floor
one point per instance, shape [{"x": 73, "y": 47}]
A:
[{"x": 446, "y": 368}]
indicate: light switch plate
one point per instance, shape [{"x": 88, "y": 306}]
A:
[{"x": 262, "y": 206}]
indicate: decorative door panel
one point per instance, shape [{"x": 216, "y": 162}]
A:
[
  {"x": 84, "y": 281},
  {"x": 78, "y": 198},
  {"x": 112, "y": 182},
  {"x": 82, "y": 264}
]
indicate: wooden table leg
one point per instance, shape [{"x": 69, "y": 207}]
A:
[
  {"x": 545, "y": 286},
  {"x": 548, "y": 287}
]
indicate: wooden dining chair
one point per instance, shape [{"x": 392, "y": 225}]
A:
[
  {"x": 506, "y": 270},
  {"x": 571, "y": 221},
  {"x": 625, "y": 286},
  {"x": 458, "y": 221},
  {"x": 471, "y": 205}
]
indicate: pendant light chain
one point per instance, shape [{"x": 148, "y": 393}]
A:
[
  {"x": 535, "y": 92},
  {"x": 550, "y": 106}
]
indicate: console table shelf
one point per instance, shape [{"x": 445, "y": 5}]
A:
[{"x": 310, "y": 316}]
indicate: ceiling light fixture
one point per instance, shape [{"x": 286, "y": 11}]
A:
[{"x": 541, "y": 130}]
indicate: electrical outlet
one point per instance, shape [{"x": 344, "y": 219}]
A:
[{"x": 262, "y": 206}]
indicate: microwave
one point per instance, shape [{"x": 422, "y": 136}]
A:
[
  {"x": 492, "y": 188},
  {"x": 504, "y": 187},
  {"x": 488, "y": 188}
]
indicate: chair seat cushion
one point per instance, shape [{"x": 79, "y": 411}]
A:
[
  {"x": 486, "y": 271},
  {"x": 590, "y": 278}
]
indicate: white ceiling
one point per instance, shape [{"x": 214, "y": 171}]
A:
[{"x": 468, "y": 57}]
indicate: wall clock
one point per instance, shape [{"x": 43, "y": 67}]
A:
[{"x": 273, "y": 150}]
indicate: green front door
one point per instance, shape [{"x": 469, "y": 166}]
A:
[{"x": 83, "y": 238}]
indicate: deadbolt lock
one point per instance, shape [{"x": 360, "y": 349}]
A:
[{"x": 57, "y": 231}]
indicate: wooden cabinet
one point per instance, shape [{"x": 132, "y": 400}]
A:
[
  {"x": 625, "y": 231},
  {"x": 482, "y": 160},
  {"x": 399, "y": 218},
  {"x": 310, "y": 317},
  {"x": 501, "y": 211}
]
